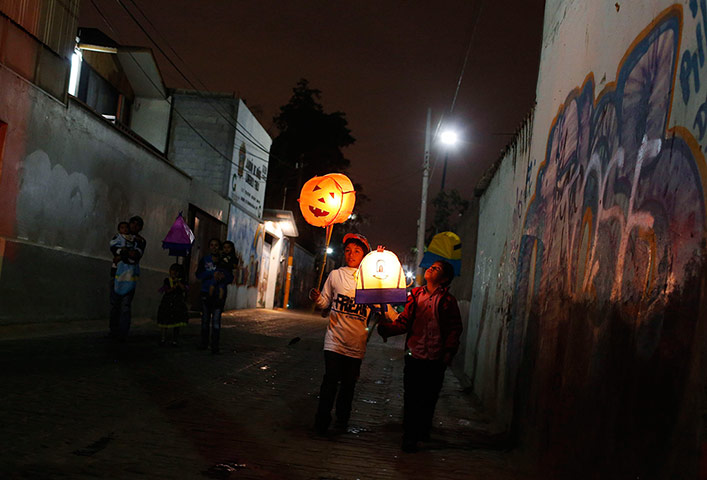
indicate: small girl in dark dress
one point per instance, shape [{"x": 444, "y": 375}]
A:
[{"x": 172, "y": 312}]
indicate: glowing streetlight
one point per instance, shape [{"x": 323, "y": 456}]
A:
[{"x": 448, "y": 138}]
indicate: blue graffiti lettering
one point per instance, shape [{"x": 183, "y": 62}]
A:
[{"x": 692, "y": 61}]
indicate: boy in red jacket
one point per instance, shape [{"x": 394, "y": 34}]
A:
[{"x": 432, "y": 322}]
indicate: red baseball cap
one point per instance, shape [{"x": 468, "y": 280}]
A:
[{"x": 358, "y": 238}]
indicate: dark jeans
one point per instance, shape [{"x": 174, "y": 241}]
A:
[
  {"x": 120, "y": 313},
  {"x": 422, "y": 380},
  {"x": 210, "y": 320},
  {"x": 338, "y": 369}
]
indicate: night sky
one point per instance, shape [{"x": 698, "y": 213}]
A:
[{"x": 382, "y": 63}]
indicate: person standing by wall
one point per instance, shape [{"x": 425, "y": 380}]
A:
[
  {"x": 346, "y": 336},
  {"x": 125, "y": 280},
  {"x": 433, "y": 325},
  {"x": 211, "y": 305}
]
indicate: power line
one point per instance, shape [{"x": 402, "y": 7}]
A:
[
  {"x": 164, "y": 38},
  {"x": 459, "y": 80},
  {"x": 137, "y": 22},
  {"x": 466, "y": 56},
  {"x": 176, "y": 110}
]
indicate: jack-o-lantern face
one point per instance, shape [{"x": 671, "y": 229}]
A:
[{"x": 327, "y": 200}]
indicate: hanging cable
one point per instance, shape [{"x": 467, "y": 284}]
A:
[
  {"x": 176, "y": 110},
  {"x": 459, "y": 80},
  {"x": 183, "y": 75}
]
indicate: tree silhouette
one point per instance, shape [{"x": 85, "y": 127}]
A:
[
  {"x": 449, "y": 207},
  {"x": 309, "y": 143}
]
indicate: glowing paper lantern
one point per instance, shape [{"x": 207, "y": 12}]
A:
[
  {"x": 327, "y": 200},
  {"x": 380, "y": 279},
  {"x": 444, "y": 246}
]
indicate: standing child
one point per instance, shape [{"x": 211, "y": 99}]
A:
[
  {"x": 211, "y": 308},
  {"x": 120, "y": 244},
  {"x": 433, "y": 325},
  {"x": 346, "y": 337},
  {"x": 172, "y": 312},
  {"x": 225, "y": 263}
]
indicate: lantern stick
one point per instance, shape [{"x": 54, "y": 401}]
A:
[{"x": 329, "y": 229}]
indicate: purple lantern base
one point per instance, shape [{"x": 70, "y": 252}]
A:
[{"x": 380, "y": 295}]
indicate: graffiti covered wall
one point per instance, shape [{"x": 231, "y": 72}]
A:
[
  {"x": 495, "y": 274},
  {"x": 588, "y": 308}
]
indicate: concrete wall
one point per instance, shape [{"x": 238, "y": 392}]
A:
[
  {"x": 202, "y": 136},
  {"x": 491, "y": 362},
  {"x": 587, "y": 321},
  {"x": 462, "y": 286},
  {"x": 249, "y": 168},
  {"x": 149, "y": 118},
  {"x": 66, "y": 178}
]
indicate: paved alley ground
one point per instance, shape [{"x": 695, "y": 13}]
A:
[{"x": 76, "y": 405}]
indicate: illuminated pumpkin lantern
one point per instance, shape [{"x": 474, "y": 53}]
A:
[
  {"x": 327, "y": 200},
  {"x": 380, "y": 279}
]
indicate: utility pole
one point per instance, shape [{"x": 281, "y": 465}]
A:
[{"x": 423, "y": 204}]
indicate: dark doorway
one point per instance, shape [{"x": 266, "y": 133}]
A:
[{"x": 205, "y": 227}]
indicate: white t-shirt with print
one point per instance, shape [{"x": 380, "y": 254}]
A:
[{"x": 346, "y": 333}]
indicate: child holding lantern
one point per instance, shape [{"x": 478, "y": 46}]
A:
[
  {"x": 346, "y": 336},
  {"x": 433, "y": 325}
]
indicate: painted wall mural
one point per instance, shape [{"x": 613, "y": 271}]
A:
[
  {"x": 606, "y": 300},
  {"x": 246, "y": 233}
]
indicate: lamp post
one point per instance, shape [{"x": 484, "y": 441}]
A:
[
  {"x": 423, "y": 204},
  {"x": 448, "y": 138}
]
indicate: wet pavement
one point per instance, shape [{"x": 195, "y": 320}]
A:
[{"x": 76, "y": 405}]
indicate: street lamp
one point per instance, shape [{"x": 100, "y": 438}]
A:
[
  {"x": 448, "y": 138},
  {"x": 423, "y": 204}
]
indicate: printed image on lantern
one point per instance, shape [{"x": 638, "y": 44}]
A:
[
  {"x": 380, "y": 279},
  {"x": 327, "y": 200}
]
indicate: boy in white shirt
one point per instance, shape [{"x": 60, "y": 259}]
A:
[{"x": 346, "y": 336}]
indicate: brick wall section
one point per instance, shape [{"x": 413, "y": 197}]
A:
[{"x": 201, "y": 139}]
